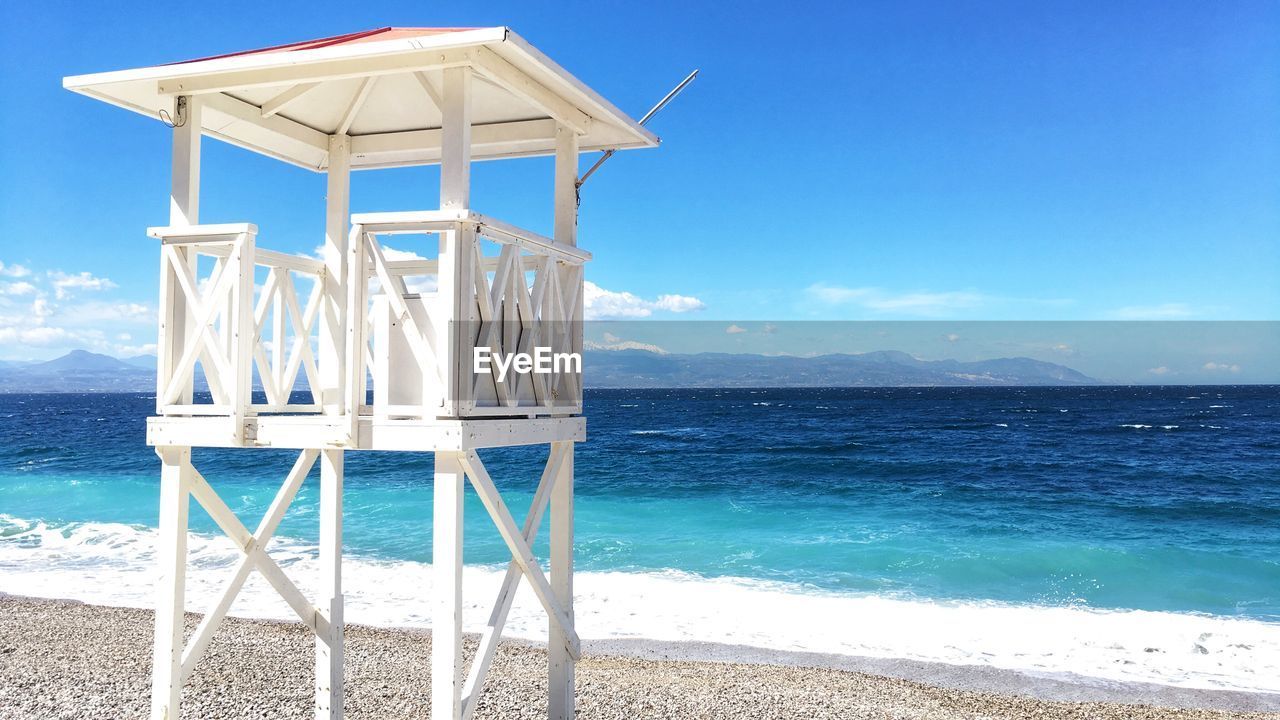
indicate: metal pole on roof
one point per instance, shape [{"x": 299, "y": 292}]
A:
[{"x": 647, "y": 116}]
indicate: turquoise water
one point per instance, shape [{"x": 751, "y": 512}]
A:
[{"x": 1141, "y": 498}]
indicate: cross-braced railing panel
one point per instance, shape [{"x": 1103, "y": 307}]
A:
[
  {"x": 224, "y": 328},
  {"x": 418, "y": 341},
  {"x": 286, "y": 330},
  {"x": 525, "y": 301}
]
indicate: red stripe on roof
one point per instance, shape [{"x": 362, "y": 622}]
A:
[{"x": 377, "y": 34}]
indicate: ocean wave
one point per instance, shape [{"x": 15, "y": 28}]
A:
[{"x": 113, "y": 564}]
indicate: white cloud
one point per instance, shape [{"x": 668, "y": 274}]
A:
[
  {"x": 39, "y": 319},
  {"x": 1166, "y": 311},
  {"x": 619, "y": 344},
  {"x": 1221, "y": 367},
  {"x": 1162, "y": 370},
  {"x": 15, "y": 289},
  {"x": 678, "y": 303},
  {"x": 735, "y": 330},
  {"x": 922, "y": 303},
  {"x": 599, "y": 303},
  {"x": 64, "y": 284},
  {"x": 13, "y": 271}
]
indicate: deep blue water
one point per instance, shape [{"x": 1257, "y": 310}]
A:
[{"x": 1157, "y": 498}]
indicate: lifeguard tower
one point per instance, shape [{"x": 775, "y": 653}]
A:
[{"x": 359, "y": 351}]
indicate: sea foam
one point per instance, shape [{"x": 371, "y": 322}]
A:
[{"x": 113, "y": 564}]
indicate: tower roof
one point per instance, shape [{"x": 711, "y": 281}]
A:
[{"x": 383, "y": 88}]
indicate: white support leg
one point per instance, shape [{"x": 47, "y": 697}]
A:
[
  {"x": 175, "y": 500},
  {"x": 329, "y": 693},
  {"x": 561, "y": 668},
  {"x": 446, "y": 561},
  {"x": 333, "y": 317}
]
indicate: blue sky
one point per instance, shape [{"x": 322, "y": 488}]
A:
[{"x": 869, "y": 161}]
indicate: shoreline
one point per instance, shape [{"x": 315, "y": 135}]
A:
[{"x": 57, "y": 648}]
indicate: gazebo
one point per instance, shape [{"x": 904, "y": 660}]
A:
[{"x": 358, "y": 351}]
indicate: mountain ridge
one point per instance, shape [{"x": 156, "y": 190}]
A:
[{"x": 84, "y": 371}]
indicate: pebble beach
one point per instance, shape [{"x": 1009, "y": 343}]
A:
[{"x": 61, "y": 659}]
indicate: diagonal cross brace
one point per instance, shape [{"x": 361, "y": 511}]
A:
[
  {"x": 519, "y": 547},
  {"x": 255, "y": 557},
  {"x": 507, "y": 593}
]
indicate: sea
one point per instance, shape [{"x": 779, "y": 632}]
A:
[{"x": 1114, "y": 533}]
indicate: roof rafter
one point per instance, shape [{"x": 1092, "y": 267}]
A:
[
  {"x": 521, "y": 85},
  {"x": 357, "y": 102},
  {"x": 281, "y": 101},
  {"x": 436, "y": 98}
]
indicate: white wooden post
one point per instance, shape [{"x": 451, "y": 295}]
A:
[
  {"x": 184, "y": 209},
  {"x": 329, "y": 650},
  {"x": 446, "y": 562},
  {"x": 175, "y": 472},
  {"x": 560, "y": 679},
  {"x": 560, "y": 705},
  {"x": 456, "y": 246},
  {"x": 242, "y": 331},
  {"x": 333, "y": 336},
  {"x": 171, "y": 552}
]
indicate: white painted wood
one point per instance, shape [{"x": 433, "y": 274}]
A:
[
  {"x": 336, "y": 258},
  {"x": 446, "y": 561},
  {"x": 492, "y": 632},
  {"x": 424, "y": 221},
  {"x": 276, "y": 74},
  {"x": 525, "y": 87},
  {"x": 221, "y": 232},
  {"x": 566, "y": 186},
  {"x": 184, "y": 210},
  {"x": 455, "y": 164},
  {"x": 437, "y": 100},
  {"x": 455, "y": 250},
  {"x": 417, "y": 147},
  {"x": 282, "y": 101},
  {"x": 266, "y": 530},
  {"x": 561, "y": 671},
  {"x": 357, "y": 102},
  {"x": 408, "y": 435},
  {"x": 184, "y": 193},
  {"x": 541, "y": 86},
  {"x": 357, "y": 301},
  {"x": 225, "y": 519},
  {"x": 520, "y": 551},
  {"x": 171, "y": 555},
  {"x": 329, "y": 647},
  {"x": 560, "y": 681},
  {"x": 242, "y": 335}
]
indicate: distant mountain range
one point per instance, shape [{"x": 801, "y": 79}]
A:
[
  {"x": 886, "y": 368},
  {"x": 82, "y": 371}
]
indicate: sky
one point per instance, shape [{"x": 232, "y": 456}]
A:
[{"x": 884, "y": 161}]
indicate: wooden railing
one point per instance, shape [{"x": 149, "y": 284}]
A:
[
  {"x": 425, "y": 316},
  {"x": 229, "y": 327},
  {"x": 234, "y": 315}
]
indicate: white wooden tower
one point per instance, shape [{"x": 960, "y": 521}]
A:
[{"x": 292, "y": 348}]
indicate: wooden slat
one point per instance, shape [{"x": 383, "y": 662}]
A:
[
  {"x": 282, "y": 101},
  {"x": 266, "y": 530},
  {"x": 492, "y": 632},
  {"x": 520, "y": 551}
]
